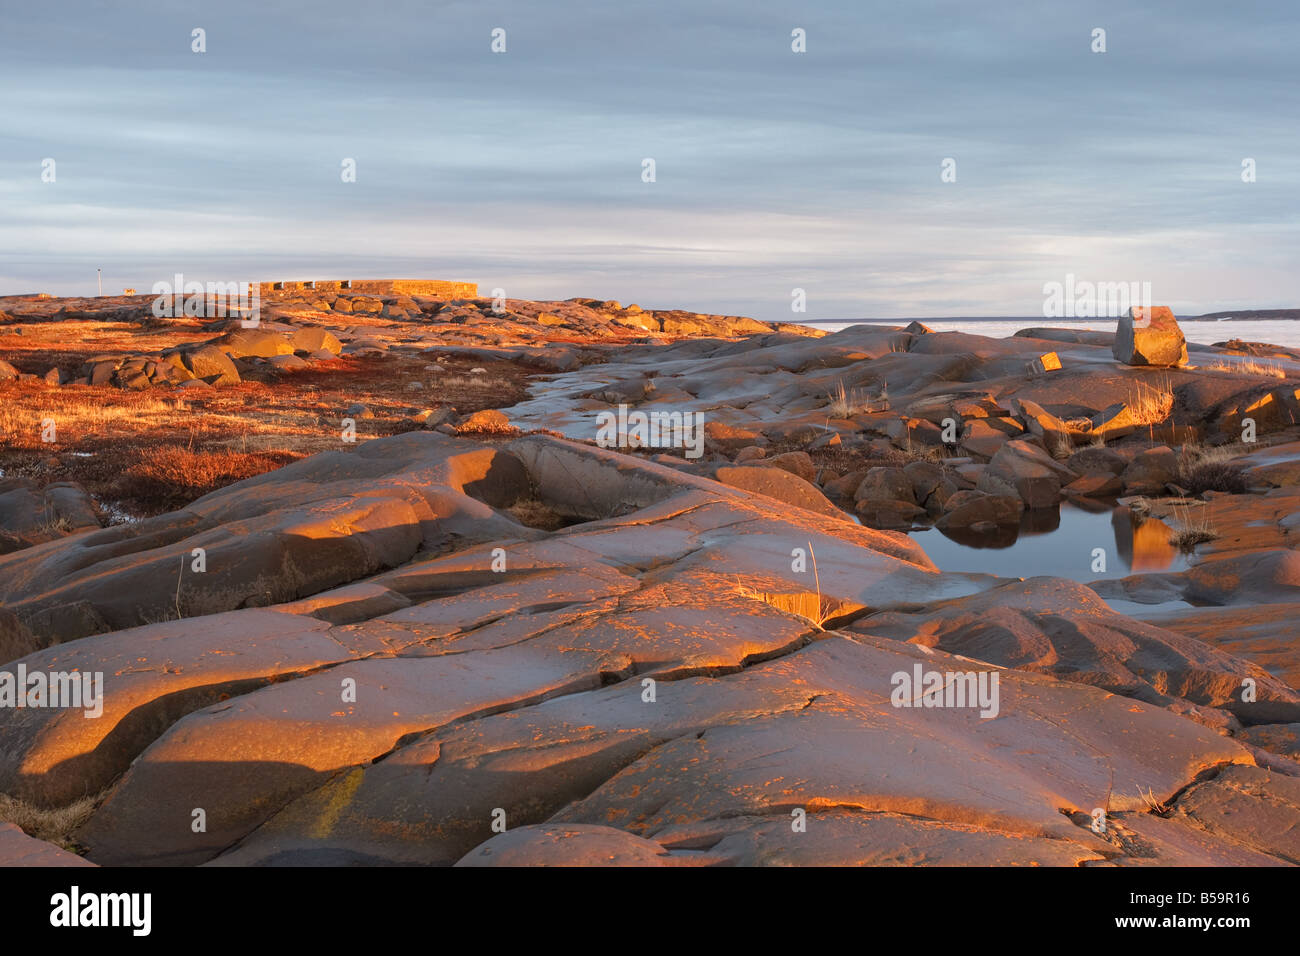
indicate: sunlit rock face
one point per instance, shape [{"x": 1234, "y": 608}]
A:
[
  {"x": 1149, "y": 335},
  {"x": 536, "y": 651}
]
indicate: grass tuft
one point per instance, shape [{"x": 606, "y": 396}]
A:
[
  {"x": 1202, "y": 469},
  {"x": 1150, "y": 405},
  {"x": 1251, "y": 367},
  {"x": 54, "y": 826},
  {"x": 1191, "y": 531}
]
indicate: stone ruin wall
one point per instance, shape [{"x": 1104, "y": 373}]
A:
[{"x": 438, "y": 288}]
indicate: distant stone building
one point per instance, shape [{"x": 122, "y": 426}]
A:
[{"x": 433, "y": 287}]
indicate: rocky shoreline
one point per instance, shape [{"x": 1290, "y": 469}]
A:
[{"x": 451, "y": 628}]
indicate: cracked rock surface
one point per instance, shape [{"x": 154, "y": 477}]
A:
[{"x": 383, "y": 665}]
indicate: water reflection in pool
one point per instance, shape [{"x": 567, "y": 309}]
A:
[{"x": 1059, "y": 543}]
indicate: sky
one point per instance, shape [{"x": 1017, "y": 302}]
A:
[{"x": 774, "y": 170}]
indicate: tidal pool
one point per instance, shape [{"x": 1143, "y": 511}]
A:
[{"x": 1061, "y": 543}]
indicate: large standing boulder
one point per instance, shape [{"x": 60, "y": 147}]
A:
[{"x": 1150, "y": 336}]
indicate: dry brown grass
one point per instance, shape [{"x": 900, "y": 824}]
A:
[
  {"x": 54, "y": 826},
  {"x": 916, "y": 451},
  {"x": 178, "y": 475},
  {"x": 155, "y": 450},
  {"x": 1202, "y": 468},
  {"x": 81, "y": 411},
  {"x": 533, "y": 513},
  {"x": 811, "y": 606},
  {"x": 1191, "y": 528},
  {"x": 1250, "y": 367},
  {"x": 1154, "y": 804},
  {"x": 467, "y": 381},
  {"x": 845, "y": 403},
  {"x": 1150, "y": 405}
]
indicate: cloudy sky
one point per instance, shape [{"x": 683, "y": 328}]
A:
[{"x": 774, "y": 170}]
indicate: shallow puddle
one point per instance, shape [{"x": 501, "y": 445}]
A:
[{"x": 1061, "y": 544}]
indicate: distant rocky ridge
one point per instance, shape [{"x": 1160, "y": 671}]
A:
[{"x": 299, "y": 325}]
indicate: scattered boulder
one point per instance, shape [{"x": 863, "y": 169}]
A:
[
  {"x": 796, "y": 463},
  {"x": 1150, "y": 471},
  {"x": 966, "y": 508},
  {"x": 985, "y": 436},
  {"x": 1035, "y": 475},
  {"x": 249, "y": 343},
  {"x": 313, "y": 339},
  {"x": 1042, "y": 423},
  {"x": 885, "y": 483},
  {"x": 926, "y": 476},
  {"x": 887, "y": 514},
  {"x": 1047, "y": 362},
  {"x": 1095, "y": 484},
  {"x": 431, "y": 418},
  {"x": 1150, "y": 336},
  {"x": 1114, "y": 421},
  {"x": 1097, "y": 459},
  {"x": 212, "y": 365}
]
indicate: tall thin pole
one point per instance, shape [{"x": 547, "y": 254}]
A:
[{"x": 99, "y": 274}]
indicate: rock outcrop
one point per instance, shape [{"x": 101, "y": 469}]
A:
[
  {"x": 1149, "y": 335},
  {"x": 380, "y": 661}
]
